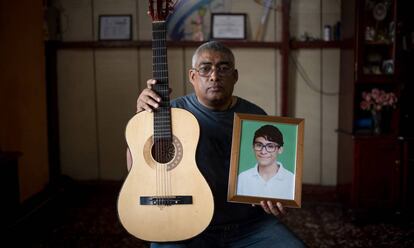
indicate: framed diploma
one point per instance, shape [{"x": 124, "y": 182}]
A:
[
  {"x": 228, "y": 26},
  {"x": 115, "y": 27},
  {"x": 266, "y": 160}
]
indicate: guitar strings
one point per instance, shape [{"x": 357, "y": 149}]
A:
[
  {"x": 159, "y": 141},
  {"x": 166, "y": 94},
  {"x": 156, "y": 139},
  {"x": 163, "y": 177},
  {"x": 162, "y": 147},
  {"x": 166, "y": 108}
]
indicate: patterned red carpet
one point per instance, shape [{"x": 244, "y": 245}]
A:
[{"x": 84, "y": 215}]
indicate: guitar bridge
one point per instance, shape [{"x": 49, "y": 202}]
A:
[{"x": 166, "y": 201}]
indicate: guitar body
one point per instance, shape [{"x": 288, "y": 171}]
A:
[{"x": 153, "y": 220}]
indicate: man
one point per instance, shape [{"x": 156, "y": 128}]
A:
[
  {"x": 268, "y": 178},
  {"x": 213, "y": 77}
]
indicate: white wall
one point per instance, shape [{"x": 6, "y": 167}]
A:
[
  {"x": 98, "y": 88},
  {"x": 315, "y": 90}
]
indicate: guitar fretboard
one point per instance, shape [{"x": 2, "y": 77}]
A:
[{"x": 162, "y": 116}]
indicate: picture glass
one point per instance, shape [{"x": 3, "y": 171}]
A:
[
  {"x": 287, "y": 158},
  {"x": 266, "y": 159}
]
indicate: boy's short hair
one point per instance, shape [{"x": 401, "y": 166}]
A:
[{"x": 270, "y": 133}]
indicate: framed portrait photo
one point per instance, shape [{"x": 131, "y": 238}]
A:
[
  {"x": 115, "y": 27},
  {"x": 266, "y": 160},
  {"x": 228, "y": 26}
]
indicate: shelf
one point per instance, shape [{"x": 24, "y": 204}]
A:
[
  {"x": 367, "y": 134},
  {"x": 148, "y": 44},
  {"x": 376, "y": 79},
  {"x": 378, "y": 43},
  {"x": 193, "y": 44},
  {"x": 316, "y": 44}
]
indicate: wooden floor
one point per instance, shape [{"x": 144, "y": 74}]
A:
[{"x": 84, "y": 215}]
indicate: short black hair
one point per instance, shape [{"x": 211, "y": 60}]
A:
[
  {"x": 215, "y": 46},
  {"x": 270, "y": 133}
]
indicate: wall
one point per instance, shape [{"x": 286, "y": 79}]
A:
[
  {"x": 98, "y": 88},
  {"x": 23, "y": 124},
  {"x": 314, "y": 86}
]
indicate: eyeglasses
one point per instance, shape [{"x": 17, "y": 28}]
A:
[
  {"x": 222, "y": 70},
  {"x": 270, "y": 147}
]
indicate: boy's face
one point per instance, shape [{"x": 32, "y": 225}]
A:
[{"x": 268, "y": 153}]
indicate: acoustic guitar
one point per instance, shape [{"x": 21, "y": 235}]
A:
[{"x": 164, "y": 197}]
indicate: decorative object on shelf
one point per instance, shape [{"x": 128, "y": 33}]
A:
[
  {"x": 115, "y": 27},
  {"x": 382, "y": 36},
  {"x": 376, "y": 101},
  {"x": 327, "y": 33},
  {"x": 380, "y": 11},
  {"x": 307, "y": 37},
  {"x": 373, "y": 63},
  {"x": 378, "y": 21},
  {"x": 364, "y": 123},
  {"x": 375, "y": 69},
  {"x": 376, "y": 121},
  {"x": 369, "y": 33},
  {"x": 337, "y": 31},
  {"x": 388, "y": 66},
  {"x": 197, "y": 25}
]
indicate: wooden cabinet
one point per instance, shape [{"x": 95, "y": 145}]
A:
[
  {"x": 369, "y": 171},
  {"x": 369, "y": 158},
  {"x": 376, "y": 41},
  {"x": 375, "y": 172},
  {"x": 369, "y": 65}
]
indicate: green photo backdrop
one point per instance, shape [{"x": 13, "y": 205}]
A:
[{"x": 247, "y": 158}]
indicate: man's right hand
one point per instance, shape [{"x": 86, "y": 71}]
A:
[{"x": 148, "y": 99}]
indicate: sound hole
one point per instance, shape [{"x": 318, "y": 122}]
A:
[{"x": 163, "y": 151}]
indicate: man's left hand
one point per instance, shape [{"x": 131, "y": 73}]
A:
[{"x": 271, "y": 208}]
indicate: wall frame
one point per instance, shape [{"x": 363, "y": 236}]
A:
[
  {"x": 228, "y": 26},
  {"x": 115, "y": 27},
  {"x": 283, "y": 161}
]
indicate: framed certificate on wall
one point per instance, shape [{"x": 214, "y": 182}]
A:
[
  {"x": 228, "y": 26},
  {"x": 115, "y": 27}
]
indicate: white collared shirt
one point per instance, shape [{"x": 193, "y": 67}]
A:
[{"x": 281, "y": 185}]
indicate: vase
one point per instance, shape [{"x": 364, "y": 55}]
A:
[{"x": 376, "y": 121}]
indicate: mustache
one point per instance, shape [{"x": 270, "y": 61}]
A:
[{"x": 216, "y": 85}]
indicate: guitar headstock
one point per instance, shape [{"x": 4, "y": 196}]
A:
[{"x": 160, "y": 10}]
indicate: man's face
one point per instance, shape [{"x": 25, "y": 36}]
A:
[
  {"x": 268, "y": 153},
  {"x": 213, "y": 91}
]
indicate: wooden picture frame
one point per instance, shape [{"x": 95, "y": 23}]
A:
[
  {"x": 228, "y": 26},
  {"x": 115, "y": 27},
  {"x": 245, "y": 183}
]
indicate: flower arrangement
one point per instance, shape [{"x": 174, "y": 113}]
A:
[{"x": 376, "y": 100}]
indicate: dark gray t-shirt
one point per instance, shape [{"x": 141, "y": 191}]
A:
[{"x": 213, "y": 154}]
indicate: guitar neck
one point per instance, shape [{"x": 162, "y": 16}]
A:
[{"x": 162, "y": 116}]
